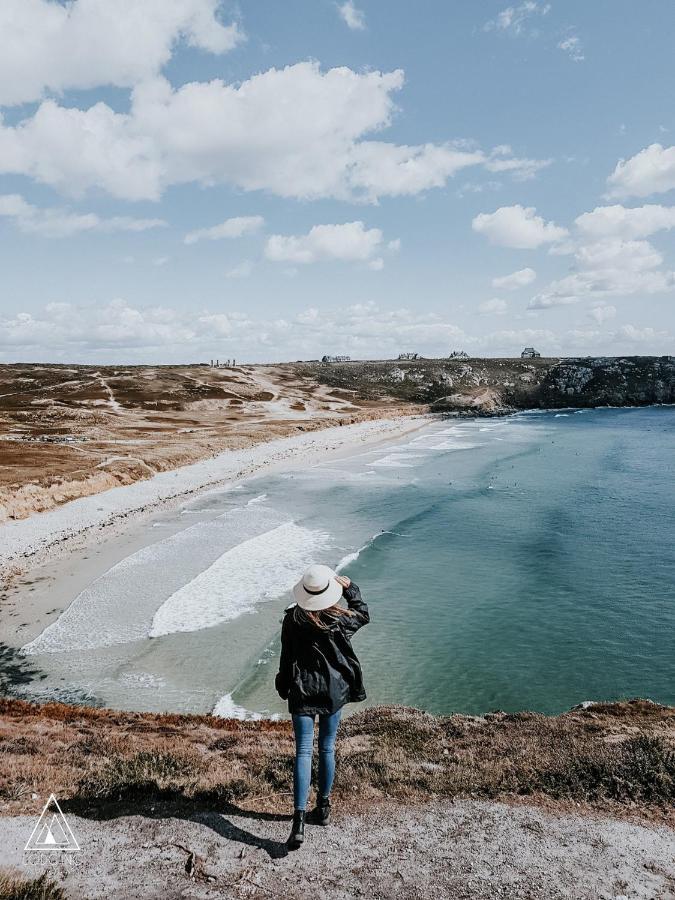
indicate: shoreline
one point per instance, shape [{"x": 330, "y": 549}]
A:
[{"x": 47, "y": 536}]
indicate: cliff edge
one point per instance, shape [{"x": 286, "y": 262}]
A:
[
  {"x": 498, "y": 386},
  {"x": 580, "y": 805}
]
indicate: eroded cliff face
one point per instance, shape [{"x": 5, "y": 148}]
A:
[{"x": 496, "y": 386}]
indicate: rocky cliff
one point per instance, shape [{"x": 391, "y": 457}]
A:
[{"x": 496, "y": 386}]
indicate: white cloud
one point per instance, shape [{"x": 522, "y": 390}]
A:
[
  {"x": 50, "y": 46},
  {"x": 646, "y": 335},
  {"x": 510, "y": 341},
  {"x": 609, "y": 260},
  {"x": 296, "y": 132},
  {"x": 493, "y": 307},
  {"x": 349, "y": 242},
  {"x": 380, "y": 169},
  {"x": 615, "y": 254},
  {"x": 573, "y": 48},
  {"x": 501, "y": 159},
  {"x": 119, "y": 331},
  {"x": 620, "y": 221},
  {"x": 513, "y": 19},
  {"x": 241, "y": 270},
  {"x": 651, "y": 171},
  {"x": 602, "y": 313},
  {"x": 515, "y": 280},
  {"x": 62, "y": 223},
  {"x": 609, "y": 268},
  {"x": 517, "y": 226},
  {"x": 160, "y": 261},
  {"x": 230, "y": 228},
  {"x": 354, "y": 18}
]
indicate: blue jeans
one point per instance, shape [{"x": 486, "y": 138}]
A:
[{"x": 303, "y": 726}]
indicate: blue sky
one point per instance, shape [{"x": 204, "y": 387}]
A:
[{"x": 186, "y": 179}]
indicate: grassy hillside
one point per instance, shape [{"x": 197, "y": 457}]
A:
[
  {"x": 495, "y": 386},
  {"x": 612, "y": 756}
]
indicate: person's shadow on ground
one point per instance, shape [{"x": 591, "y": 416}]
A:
[
  {"x": 222, "y": 826},
  {"x": 189, "y": 809}
]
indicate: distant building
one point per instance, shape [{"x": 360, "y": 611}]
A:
[
  {"x": 458, "y": 354},
  {"x": 333, "y": 359},
  {"x": 408, "y": 356},
  {"x": 529, "y": 353}
]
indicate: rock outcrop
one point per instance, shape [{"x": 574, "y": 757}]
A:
[{"x": 497, "y": 386}]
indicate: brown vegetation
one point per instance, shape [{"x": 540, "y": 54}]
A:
[
  {"x": 71, "y": 431},
  {"x": 16, "y": 887},
  {"x": 618, "y": 757}
]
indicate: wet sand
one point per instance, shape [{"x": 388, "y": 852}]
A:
[{"x": 51, "y": 557}]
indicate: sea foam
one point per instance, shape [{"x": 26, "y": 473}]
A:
[
  {"x": 119, "y": 606},
  {"x": 259, "y": 569},
  {"x": 226, "y": 708}
]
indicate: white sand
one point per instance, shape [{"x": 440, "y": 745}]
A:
[{"x": 46, "y": 531}]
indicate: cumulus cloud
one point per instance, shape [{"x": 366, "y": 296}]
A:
[
  {"x": 624, "y": 222},
  {"x": 517, "y": 226},
  {"x": 611, "y": 258},
  {"x": 572, "y": 47},
  {"x": 115, "y": 331},
  {"x": 351, "y": 242},
  {"x": 119, "y": 330},
  {"x": 501, "y": 159},
  {"x": 493, "y": 307},
  {"x": 648, "y": 335},
  {"x": 62, "y": 223},
  {"x": 514, "y": 19},
  {"x": 230, "y": 228},
  {"x": 49, "y": 46},
  {"x": 354, "y": 18},
  {"x": 295, "y": 132},
  {"x": 515, "y": 280},
  {"x": 651, "y": 171},
  {"x": 609, "y": 268},
  {"x": 241, "y": 270},
  {"x": 602, "y": 313}
]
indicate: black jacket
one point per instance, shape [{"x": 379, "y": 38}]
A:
[{"x": 318, "y": 669}]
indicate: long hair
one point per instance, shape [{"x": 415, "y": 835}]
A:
[{"x": 323, "y": 618}]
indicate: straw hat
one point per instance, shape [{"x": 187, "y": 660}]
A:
[{"x": 317, "y": 589}]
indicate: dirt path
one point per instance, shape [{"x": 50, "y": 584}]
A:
[{"x": 467, "y": 849}]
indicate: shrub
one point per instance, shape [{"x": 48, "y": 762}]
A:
[
  {"x": 14, "y": 887},
  {"x": 145, "y": 772},
  {"x": 638, "y": 769}
]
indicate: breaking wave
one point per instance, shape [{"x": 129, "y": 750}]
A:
[{"x": 259, "y": 569}]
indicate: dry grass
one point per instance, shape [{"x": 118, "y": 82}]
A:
[
  {"x": 615, "y": 757},
  {"x": 71, "y": 431},
  {"x": 16, "y": 887}
]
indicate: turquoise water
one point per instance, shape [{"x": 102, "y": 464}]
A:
[
  {"x": 526, "y": 562},
  {"x": 533, "y": 570}
]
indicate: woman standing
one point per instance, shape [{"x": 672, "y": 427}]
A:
[{"x": 318, "y": 674}]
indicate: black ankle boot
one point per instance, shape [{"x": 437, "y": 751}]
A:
[
  {"x": 297, "y": 835},
  {"x": 321, "y": 812}
]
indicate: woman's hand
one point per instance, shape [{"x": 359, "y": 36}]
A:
[{"x": 343, "y": 580}]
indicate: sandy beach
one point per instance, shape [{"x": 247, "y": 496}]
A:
[{"x": 47, "y": 558}]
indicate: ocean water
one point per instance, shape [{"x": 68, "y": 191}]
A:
[{"x": 526, "y": 562}]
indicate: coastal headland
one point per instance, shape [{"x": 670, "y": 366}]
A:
[
  {"x": 517, "y": 805},
  {"x": 72, "y": 431}
]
